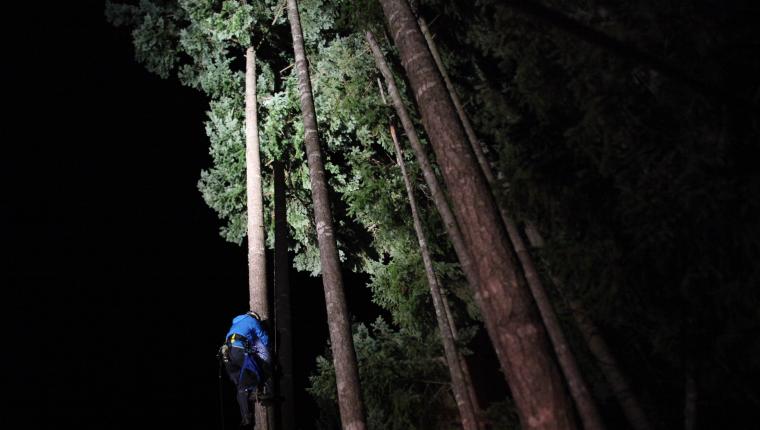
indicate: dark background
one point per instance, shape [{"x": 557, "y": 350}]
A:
[{"x": 118, "y": 288}]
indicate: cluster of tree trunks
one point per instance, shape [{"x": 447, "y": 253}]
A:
[
  {"x": 466, "y": 407},
  {"x": 576, "y": 384},
  {"x": 486, "y": 240},
  {"x": 514, "y": 326},
  {"x": 417, "y": 61}
]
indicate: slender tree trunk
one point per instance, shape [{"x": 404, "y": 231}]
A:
[
  {"x": 257, "y": 274},
  {"x": 477, "y": 148},
  {"x": 461, "y": 394},
  {"x": 463, "y": 362},
  {"x": 439, "y": 198},
  {"x": 584, "y": 402},
  {"x": 282, "y": 300},
  {"x": 576, "y": 384},
  {"x": 515, "y": 329},
  {"x": 344, "y": 355},
  {"x": 609, "y": 367}
]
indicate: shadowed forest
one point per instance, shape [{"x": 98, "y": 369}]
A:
[{"x": 539, "y": 214}]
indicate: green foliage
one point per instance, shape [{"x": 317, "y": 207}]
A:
[
  {"x": 644, "y": 190},
  {"x": 371, "y": 212},
  {"x": 223, "y": 186},
  {"x": 154, "y": 29},
  {"x": 403, "y": 377}
]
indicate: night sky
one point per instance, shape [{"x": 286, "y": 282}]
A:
[{"x": 117, "y": 285}]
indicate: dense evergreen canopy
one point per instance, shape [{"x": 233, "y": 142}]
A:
[{"x": 622, "y": 132}]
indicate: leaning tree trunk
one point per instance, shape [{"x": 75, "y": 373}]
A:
[
  {"x": 463, "y": 362},
  {"x": 439, "y": 198},
  {"x": 344, "y": 356},
  {"x": 577, "y": 386},
  {"x": 607, "y": 363},
  {"x": 515, "y": 329},
  {"x": 610, "y": 368},
  {"x": 461, "y": 393},
  {"x": 257, "y": 274},
  {"x": 282, "y": 300}
]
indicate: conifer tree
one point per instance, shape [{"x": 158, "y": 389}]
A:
[
  {"x": 346, "y": 371},
  {"x": 516, "y": 331},
  {"x": 459, "y": 384},
  {"x": 576, "y": 383}
]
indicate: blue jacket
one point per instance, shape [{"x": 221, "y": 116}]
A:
[{"x": 250, "y": 327}]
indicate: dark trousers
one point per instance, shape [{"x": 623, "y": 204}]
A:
[{"x": 245, "y": 383}]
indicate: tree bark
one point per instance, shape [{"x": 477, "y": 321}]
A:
[
  {"x": 344, "y": 356},
  {"x": 584, "y": 401},
  {"x": 439, "y": 198},
  {"x": 282, "y": 300},
  {"x": 477, "y": 148},
  {"x": 257, "y": 279},
  {"x": 461, "y": 394},
  {"x": 515, "y": 329}
]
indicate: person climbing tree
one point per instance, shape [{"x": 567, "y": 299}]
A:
[{"x": 248, "y": 363}]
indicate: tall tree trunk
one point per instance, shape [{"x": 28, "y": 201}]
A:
[
  {"x": 584, "y": 402},
  {"x": 468, "y": 129},
  {"x": 257, "y": 273},
  {"x": 461, "y": 393},
  {"x": 439, "y": 198},
  {"x": 282, "y": 300},
  {"x": 515, "y": 329},
  {"x": 344, "y": 355}
]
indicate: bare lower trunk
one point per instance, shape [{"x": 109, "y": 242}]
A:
[
  {"x": 461, "y": 394},
  {"x": 257, "y": 274},
  {"x": 576, "y": 384},
  {"x": 515, "y": 328},
  {"x": 282, "y": 300},
  {"x": 610, "y": 369},
  {"x": 346, "y": 371}
]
